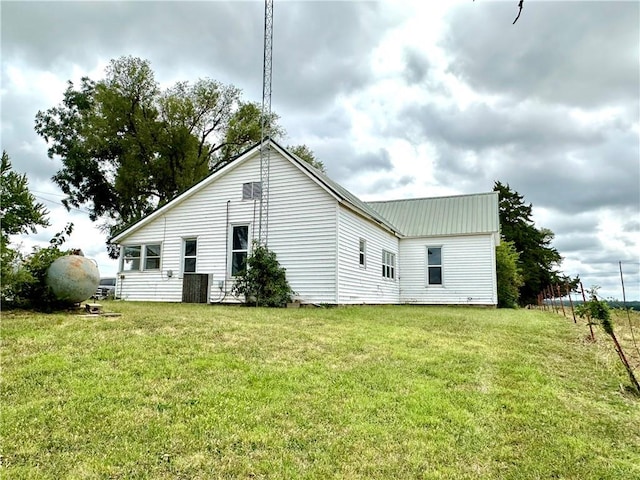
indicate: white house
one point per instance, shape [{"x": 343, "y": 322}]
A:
[{"x": 336, "y": 248}]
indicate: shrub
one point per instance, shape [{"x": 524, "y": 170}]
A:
[
  {"x": 263, "y": 283},
  {"x": 509, "y": 278},
  {"x": 599, "y": 310},
  {"x": 26, "y": 286}
]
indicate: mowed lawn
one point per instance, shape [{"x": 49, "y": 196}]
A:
[{"x": 198, "y": 391}]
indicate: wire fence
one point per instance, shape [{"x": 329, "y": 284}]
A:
[{"x": 563, "y": 299}]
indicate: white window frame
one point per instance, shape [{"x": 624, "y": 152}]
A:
[
  {"x": 131, "y": 259},
  {"x": 388, "y": 265},
  {"x": 233, "y": 251},
  {"x": 138, "y": 263},
  {"x": 435, "y": 265},
  {"x": 251, "y": 190},
  {"x": 362, "y": 253},
  {"x": 147, "y": 256},
  {"x": 185, "y": 256}
]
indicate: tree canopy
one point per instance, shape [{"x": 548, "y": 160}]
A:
[
  {"x": 20, "y": 214},
  {"x": 538, "y": 260},
  {"x": 307, "y": 155},
  {"x": 127, "y": 146}
]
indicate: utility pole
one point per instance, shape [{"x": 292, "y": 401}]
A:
[{"x": 265, "y": 130}]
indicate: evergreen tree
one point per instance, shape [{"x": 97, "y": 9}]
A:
[
  {"x": 538, "y": 260},
  {"x": 20, "y": 214}
]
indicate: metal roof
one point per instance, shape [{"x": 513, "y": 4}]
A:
[
  {"x": 457, "y": 215},
  {"x": 454, "y": 215}
]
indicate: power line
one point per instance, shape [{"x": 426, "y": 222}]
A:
[{"x": 61, "y": 204}]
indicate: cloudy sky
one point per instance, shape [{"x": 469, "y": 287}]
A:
[{"x": 398, "y": 99}]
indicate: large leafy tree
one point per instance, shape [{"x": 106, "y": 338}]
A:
[
  {"x": 539, "y": 261},
  {"x": 20, "y": 214},
  {"x": 306, "y": 154},
  {"x": 128, "y": 147}
]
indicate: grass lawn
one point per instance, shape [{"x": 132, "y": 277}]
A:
[{"x": 197, "y": 391}]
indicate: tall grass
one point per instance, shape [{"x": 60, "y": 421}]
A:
[{"x": 195, "y": 391}]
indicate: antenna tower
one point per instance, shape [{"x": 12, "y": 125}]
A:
[{"x": 263, "y": 229}]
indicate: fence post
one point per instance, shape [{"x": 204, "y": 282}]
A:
[
  {"x": 573, "y": 313},
  {"x": 553, "y": 299},
  {"x": 584, "y": 299},
  {"x": 624, "y": 303},
  {"x": 564, "y": 314}
]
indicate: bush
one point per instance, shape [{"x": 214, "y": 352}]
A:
[
  {"x": 598, "y": 310},
  {"x": 264, "y": 282},
  {"x": 508, "y": 274},
  {"x": 26, "y": 286}
]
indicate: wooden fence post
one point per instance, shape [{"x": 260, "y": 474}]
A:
[
  {"x": 584, "y": 299},
  {"x": 573, "y": 313},
  {"x": 553, "y": 299},
  {"x": 564, "y": 314}
]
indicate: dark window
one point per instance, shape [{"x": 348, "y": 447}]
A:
[
  {"x": 239, "y": 249},
  {"x": 363, "y": 249},
  {"x": 190, "y": 250},
  {"x": 434, "y": 265},
  {"x": 152, "y": 257},
  {"x": 388, "y": 265}
]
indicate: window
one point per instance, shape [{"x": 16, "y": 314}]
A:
[
  {"x": 363, "y": 249},
  {"x": 434, "y": 265},
  {"x": 131, "y": 259},
  {"x": 251, "y": 191},
  {"x": 152, "y": 257},
  {"x": 239, "y": 249},
  {"x": 388, "y": 265},
  {"x": 190, "y": 250}
]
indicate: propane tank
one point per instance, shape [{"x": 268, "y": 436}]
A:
[{"x": 73, "y": 278}]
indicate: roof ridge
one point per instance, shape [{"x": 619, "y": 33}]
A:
[{"x": 478, "y": 194}]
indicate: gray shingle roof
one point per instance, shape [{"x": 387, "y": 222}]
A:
[{"x": 455, "y": 215}]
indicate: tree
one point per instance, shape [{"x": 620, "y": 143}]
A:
[
  {"x": 128, "y": 147},
  {"x": 308, "y": 156},
  {"x": 20, "y": 213},
  {"x": 27, "y": 287},
  {"x": 538, "y": 260},
  {"x": 509, "y": 276}
]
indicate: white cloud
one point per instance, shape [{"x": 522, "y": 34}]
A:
[{"x": 399, "y": 99}]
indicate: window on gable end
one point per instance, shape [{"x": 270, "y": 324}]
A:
[
  {"x": 190, "y": 255},
  {"x": 152, "y": 257},
  {"x": 251, "y": 190},
  {"x": 131, "y": 258},
  {"x": 239, "y": 249}
]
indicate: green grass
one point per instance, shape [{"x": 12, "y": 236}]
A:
[{"x": 196, "y": 391}]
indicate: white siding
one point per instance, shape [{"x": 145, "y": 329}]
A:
[
  {"x": 302, "y": 232},
  {"x": 355, "y": 283},
  {"x": 468, "y": 270}
]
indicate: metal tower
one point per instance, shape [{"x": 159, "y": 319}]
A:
[{"x": 265, "y": 130}]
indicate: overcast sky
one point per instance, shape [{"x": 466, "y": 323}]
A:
[{"x": 398, "y": 99}]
